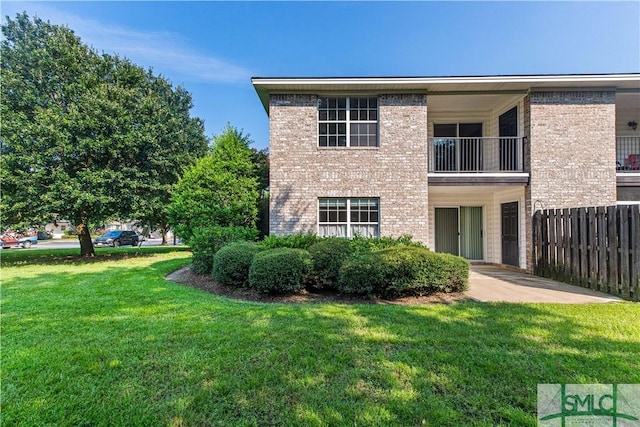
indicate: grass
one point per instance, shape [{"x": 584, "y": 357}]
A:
[{"x": 113, "y": 343}]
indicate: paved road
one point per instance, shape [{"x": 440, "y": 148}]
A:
[{"x": 73, "y": 243}]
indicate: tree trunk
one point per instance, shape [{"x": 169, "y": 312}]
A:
[
  {"x": 86, "y": 244},
  {"x": 164, "y": 229}
]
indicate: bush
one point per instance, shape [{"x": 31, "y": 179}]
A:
[
  {"x": 367, "y": 244},
  {"x": 293, "y": 241},
  {"x": 361, "y": 274},
  {"x": 207, "y": 241},
  {"x": 418, "y": 271},
  {"x": 449, "y": 273},
  {"x": 232, "y": 262},
  {"x": 403, "y": 270},
  {"x": 327, "y": 257},
  {"x": 279, "y": 270}
]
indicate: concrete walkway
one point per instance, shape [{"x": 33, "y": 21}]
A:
[{"x": 492, "y": 283}]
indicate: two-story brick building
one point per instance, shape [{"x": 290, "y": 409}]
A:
[{"x": 460, "y": 163}]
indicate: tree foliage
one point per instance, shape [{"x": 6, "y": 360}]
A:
[
  {"x": 86, "y": 137},
  {"x": 174, "y": 141},
  {"x": 220, "y": 190}
]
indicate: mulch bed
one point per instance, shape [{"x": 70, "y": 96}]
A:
[{"x": 187, "y": 277}]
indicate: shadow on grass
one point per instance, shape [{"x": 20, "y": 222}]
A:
[
  {"x": 150, "y": 352},
  {"x": 57, "y": 256}
]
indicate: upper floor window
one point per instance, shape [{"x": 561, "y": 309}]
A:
[{"x": 348, "y": 122}]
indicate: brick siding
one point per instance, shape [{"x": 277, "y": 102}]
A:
[
  {"x": 302, "y": 172},
  {"x": 570, "y": 152}
]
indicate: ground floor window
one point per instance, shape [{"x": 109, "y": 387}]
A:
[{"x": 348, "y": 217}]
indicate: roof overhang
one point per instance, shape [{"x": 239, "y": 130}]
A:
[{"x": 265, "y": 86}]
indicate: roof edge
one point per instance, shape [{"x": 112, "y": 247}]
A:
[{"x": 451, "y": 79}]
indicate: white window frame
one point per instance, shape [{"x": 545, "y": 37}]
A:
[
  {"x": 349, "y": 233},
  {"x": 348, "y": 122}
]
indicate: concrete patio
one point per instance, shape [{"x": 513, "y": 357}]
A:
[{"x": 495, "y": 284}]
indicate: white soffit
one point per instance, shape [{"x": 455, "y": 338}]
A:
[
  {"x": 433, "y": 84},
  {"x": 441, "y": 85}
]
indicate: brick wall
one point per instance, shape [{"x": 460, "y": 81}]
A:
[
  {"x": 396, "y": 171},
  {"x": 571, "y": 150}
]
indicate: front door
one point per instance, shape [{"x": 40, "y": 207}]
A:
[
  {"x": 510, "y": 252},
  {"x": 459, "y": 231}
]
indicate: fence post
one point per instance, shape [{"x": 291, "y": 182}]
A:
[
  {"x": 553, "y": 266},
  {"x": 575, "y": 248},
  {"x": 623, "y": 231},
  {"x": 592, "y": 248},
  {"x": 537, "y": 243},
  {"x": 559, "y": 246},
  {"x": 612, "y": 240},
  {"x": 582, "y": 239},
  {"x": 634, "y": 237},
  {"x": 602, "y": 250},
  {"x": 566, "y": 225}
]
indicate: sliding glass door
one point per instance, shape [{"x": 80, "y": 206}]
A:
[{"x": 459, "y": 231}]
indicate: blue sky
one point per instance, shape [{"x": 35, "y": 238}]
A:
[{"x": 214, "y": 48}]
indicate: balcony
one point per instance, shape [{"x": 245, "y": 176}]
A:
[
  {"x": 477, "y": 161},
  {"x": 628, "y": 154},
  {"x": 627, "y": 163}
]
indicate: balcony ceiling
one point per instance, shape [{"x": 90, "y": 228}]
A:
[
  {"x": 474, "y": 102},
  {"x": 629, "y": 102}
]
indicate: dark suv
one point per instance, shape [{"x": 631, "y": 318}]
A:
[{"x": 117, "y": 238}]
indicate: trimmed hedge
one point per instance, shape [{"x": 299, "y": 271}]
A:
[
  {"x": 358, "y": 243},
  {"x": 402, "y": 271},
  {"x": 293, "y": 241},
  {"x": 327, "y": 256},
  {"x": 361, "y": 274},
  {"x": 367, "y": 244},
  {"x": 207, "y": 241},
  {"x": 382, "y": 267},
  {"x": 280, "y": 270},
  {"x": 232, "y": 262}
]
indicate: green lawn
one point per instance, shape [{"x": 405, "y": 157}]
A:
[{"x": 111, "y": 342}]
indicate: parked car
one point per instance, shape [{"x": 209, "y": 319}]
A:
[
  {"x": 9, "y": 241},
  {"x": 43, "y": 235},
  {"x": 117, "y": 238}
]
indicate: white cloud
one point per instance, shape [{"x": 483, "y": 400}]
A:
[{"x": 167, "y": 53}]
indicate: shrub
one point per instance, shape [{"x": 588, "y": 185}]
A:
[
  {"x": 207, "y": 241},
  {"x": 232, "y": 262},
  {"x": 367, "y": 244},
  {"x": 418, "y": 271},
  {"x": 450, "y": 273},
  {"x": 361, "y": 274},
  {"x": 403, "y": 270},
  {"x": 327, "y": 257},
  {"x": 279, "y": 270},
  {"x": 293, "y": 241}
]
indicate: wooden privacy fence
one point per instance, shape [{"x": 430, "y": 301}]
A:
[{"x": 595, "y": 247}]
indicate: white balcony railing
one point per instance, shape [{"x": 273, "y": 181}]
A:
[
  {"x": 628, "y": 153},
  {"x": 486, "y": 154}
]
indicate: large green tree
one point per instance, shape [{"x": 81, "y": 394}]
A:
[
  {"x": 86, "y": 137},
  {"x": 173, "y": 141},
  {"x": 221, "y": 189}
]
